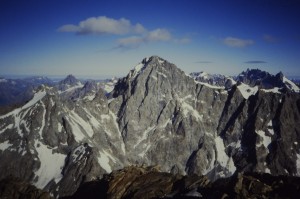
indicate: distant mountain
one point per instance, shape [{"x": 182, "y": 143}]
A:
[
  {"x": 265, "y": 80},
  {"x": 109, "y": 84},
  {"x": 251, "y": 78},
  {"x": 14, "y": 92},
  {"x": 72, "y": 133},
  {"x": 214, "y": 80},
  {"x": 69, "y": 83}
]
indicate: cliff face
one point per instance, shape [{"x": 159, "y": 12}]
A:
[
  {"x": 156, "y": 115},
  {"x": 142, "y": 182}
]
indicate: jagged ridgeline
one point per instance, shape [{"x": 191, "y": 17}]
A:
[{"x": 71, "y": 133}]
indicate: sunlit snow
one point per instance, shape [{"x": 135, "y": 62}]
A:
[
  {"x": 247, "y": 91},
  {"x": 222, "y": 157},
  {"x": 51, "y": 165},
  {"x": 266, "y": 140},
  {"x": 5, "y": 145}
]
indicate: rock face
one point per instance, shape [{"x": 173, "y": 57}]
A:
[
  {"x": 72, "y": 133},
  {"x": 137, "y": 182},
  {"x": 17, "y": 189}
]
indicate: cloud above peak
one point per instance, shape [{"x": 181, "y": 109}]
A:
[
  {"x": 133, "y": 35},
  {"x": 103, "y": 25},
  {"x": 237, "y": 42},
  {"x": 152, "y": 36},
  {"x": 159, "y": 35}
]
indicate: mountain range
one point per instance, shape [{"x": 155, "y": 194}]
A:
[{"x": 71, "y": 132}]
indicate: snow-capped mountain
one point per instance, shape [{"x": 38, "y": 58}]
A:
[
  {"x": 15, "y": 92},
  {"x": 69, "y": 83},
  {"x": 156, "y": 115},
  {"x": 250, "y": 80},
  {"x": 265, "y": 80},
  {"x": 109, "y": 84},
  {"x": 214, "y": 80}
]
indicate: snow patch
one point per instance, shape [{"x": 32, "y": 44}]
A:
[
  {"x": 137, "y": 69},
  {"x": 59, "y": 127},
  {"x": 204, "y": 75},
  {"x": 247, "y": 91},
  {"x": 266, "y": 140},
  {"x": 154, "y": 77},
  {"x": 37, "y": 97},
  {"x": 143, "y": 153},
  {"x": 186, "y": 108},
  {"x": 10, "y": 126},
  {"x": 51, "y": 165},
  {"x": 79, "y": 85},
  {"x": 222, "y": 157},
  {"x": 89, "y": 97},
  {"x": 291, "y": 85},
  {"x": 76, "y": 130},
  {"x": 144, "y": 136},
  {"x": 81, "y": 122},
  {"x": 5, "y": 145},
  {"x": 162, "y": 74},
  {"x": 210, "y": 86},
  {"x": 273, "y": 90},
  {"x": 270, "y": 128},
  {"x": 160, "y": 61},
  {"x": 109, "y": 87},
  {"x": 103, "y": 161},
  {"x": 114, "y": 117}
]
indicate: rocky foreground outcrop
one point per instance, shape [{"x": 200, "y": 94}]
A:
[
  {"x": 138, "y": 182},
  {"x": 149, "y": 182},
  {"x": 13, "y": 188}
]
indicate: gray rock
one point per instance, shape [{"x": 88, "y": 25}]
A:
[{"x": 156, "y": 115}]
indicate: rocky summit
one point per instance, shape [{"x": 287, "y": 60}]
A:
[{"x": 72, "y": 133}]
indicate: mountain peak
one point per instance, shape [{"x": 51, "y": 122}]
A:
[
  {"x": 265, "y": 80},
  {"x": 70, "y": 80},
  {"x": 153, "y": 60}
]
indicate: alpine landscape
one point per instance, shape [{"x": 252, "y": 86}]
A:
[{"x": 158, "y": 130}]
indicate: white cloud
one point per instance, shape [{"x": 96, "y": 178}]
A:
[
  {"x": 152, "y": 36},
  {"x": 236, "y": 42},
  {"x": 159, "y": 35},
  {"x": 138, "y": 28},
  {"x": 132, "y": 42},
  {"x": 103, "y": 25},
  {"x": 137, "y": 34}
]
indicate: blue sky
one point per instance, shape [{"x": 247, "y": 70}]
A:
[{"x": 105, "y": 38}]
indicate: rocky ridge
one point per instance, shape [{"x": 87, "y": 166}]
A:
[
  {"x": 140, "y": 182},
  {"x": 156, "y": 115}
]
